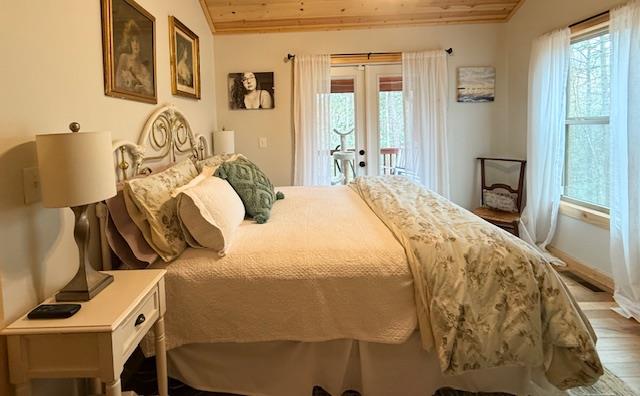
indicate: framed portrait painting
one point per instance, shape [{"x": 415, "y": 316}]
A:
[
  {"x": 251, "y": 90},
  {"x": 129, "y": 51},
  {"x": 185, "y": 60}
]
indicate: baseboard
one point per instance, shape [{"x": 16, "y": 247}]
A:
[{"x": 592, "y": 275}]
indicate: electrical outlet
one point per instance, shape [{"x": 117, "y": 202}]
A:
[
  {"x": 262, "y": 142},
  {"x": 31, "y": 181}
]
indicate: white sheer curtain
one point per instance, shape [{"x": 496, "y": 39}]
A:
[
  {"x": 548, "y": 73},
  {"x": 311, "y": 89},
  {"x": 424, "y": 88},
  {"x": 625, "y": 157}
]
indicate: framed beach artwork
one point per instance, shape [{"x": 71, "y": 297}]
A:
[
  {"x": 129, "y": 51},
  {"x": 476, "y": 84},
  {"x": 185, "y": 60},
  {"x": 251, "y": 90}
]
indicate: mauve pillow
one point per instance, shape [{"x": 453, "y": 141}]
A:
[
  {"x": 129, "y": 231},
  {"x": 121, "y": 249}
]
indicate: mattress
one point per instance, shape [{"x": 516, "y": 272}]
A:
[{"x": 323, "y": 268}]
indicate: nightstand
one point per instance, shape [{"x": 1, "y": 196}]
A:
[{"x": 96, "y": 341}]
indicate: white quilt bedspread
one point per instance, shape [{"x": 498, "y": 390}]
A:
[{"x": 324, "y": 267}]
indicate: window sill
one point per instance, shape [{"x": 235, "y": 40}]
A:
[{"x": 587, "y": 215}]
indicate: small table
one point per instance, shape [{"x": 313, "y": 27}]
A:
[
  {"x": 347, "y": 158},
  {"x": 96, "y": 341}
]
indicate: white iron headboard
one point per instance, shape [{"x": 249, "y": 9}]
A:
[{"x": 165, "y": 139}]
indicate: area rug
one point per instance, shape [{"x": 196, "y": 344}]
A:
[{"x": 608, "y": 385}]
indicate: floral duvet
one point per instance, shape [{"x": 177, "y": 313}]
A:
[{"x": 484, "y": 298}]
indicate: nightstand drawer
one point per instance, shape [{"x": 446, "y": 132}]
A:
[{"x": 129, "y": 334}]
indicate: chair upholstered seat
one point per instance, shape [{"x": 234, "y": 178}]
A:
[{"x": 497, "y": 216}]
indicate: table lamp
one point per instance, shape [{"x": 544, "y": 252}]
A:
[
  {"x": 224, "y": 142},
  {"x": 76, "y": 170}
]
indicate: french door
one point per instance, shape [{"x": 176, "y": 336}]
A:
[{"x": 368, "y": 101}]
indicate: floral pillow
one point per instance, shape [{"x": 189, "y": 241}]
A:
[
  {"x": 216, "y": 160},
  {"x": 498, "y": 200},
  {"x": 150, "y": 204}
]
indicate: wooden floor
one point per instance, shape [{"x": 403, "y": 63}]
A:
[{"x": 618, "y": 338}]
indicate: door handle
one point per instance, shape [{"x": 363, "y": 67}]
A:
[{"x": 362, "y": 164}]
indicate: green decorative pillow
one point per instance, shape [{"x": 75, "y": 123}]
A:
[{"x": 252, "y": 185}]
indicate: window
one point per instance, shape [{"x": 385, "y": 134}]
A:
[{"x": 587, "y": 178}]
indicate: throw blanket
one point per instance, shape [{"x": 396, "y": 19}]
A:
[{"x": 484, "y": 297}]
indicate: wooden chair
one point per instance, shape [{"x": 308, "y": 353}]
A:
[
  {"x": 505, "y": 220},
  {"x": 389, "y": 160}
]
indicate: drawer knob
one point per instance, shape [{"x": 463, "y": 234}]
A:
[{"x": 140, "y": 320}]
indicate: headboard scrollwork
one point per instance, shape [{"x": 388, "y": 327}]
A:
[{"x": 166, "y": 138}]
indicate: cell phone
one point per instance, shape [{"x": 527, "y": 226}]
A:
[{"x": 54, "y": 311}]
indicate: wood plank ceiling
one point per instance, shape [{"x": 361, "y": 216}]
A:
[{"x": 253, "y": 16}]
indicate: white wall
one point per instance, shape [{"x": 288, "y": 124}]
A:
[
  {"x": 471, "y": 126},
  {"x": 583, "y": 241},
  {"x": 51, "y": 75},
  {"x": 498, "y": 128}
]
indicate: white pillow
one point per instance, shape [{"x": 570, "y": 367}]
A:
[
  {"x": 499, "y": 200},
  {"x": 209, "y": 213}
]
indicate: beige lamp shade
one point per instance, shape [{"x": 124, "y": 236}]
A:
[
  {"x": 224, "y": 142},
  {"x": 75, "y": 168}
]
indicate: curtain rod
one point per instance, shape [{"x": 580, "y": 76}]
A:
[
  {"x": 368, "y": 54},
  {"x": 590, "y": 18}
]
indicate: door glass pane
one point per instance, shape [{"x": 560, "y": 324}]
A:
[
  {"x": 587, "y": 164},
  {"x": 343, "y": 111},
  {"x": 342, "y": 108},
  {"x": 390, "y": 123}
]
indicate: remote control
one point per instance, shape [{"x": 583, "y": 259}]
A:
[{"x": 54, "y": 311}]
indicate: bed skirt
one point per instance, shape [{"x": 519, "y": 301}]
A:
[{"x": 373, "y": 369}]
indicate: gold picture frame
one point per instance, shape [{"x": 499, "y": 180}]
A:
[
  {"x": 184, "y": 47},
  {"x": 129, "y": 51}
]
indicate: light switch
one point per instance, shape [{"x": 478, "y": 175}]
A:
[
  {"x": 31, "y": 181},
  {"x": 262, "y": 143}
]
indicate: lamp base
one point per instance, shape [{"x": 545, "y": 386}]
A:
[
  {"x": 87, "y": 282},
  {"x": 94, "y": 286}
]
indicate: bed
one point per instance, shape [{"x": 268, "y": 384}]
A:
[{"x": 327, "y": 293}]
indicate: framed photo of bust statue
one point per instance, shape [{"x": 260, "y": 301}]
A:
[
  {"x": 129, "y": 51},
  {"x": 185, "y": 60}
]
